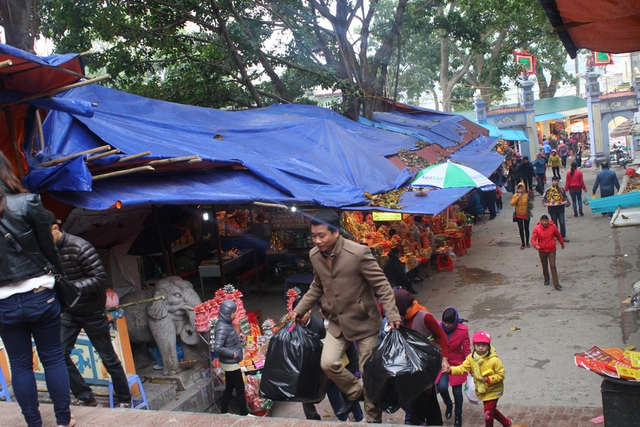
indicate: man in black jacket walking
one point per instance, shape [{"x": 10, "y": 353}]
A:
[{"x": 82, "y": 266}]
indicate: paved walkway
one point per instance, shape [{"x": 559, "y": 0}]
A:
[{"x": 529, "y": 416}]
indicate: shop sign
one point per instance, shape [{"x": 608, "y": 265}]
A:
[{"x": 387, "y": 216}]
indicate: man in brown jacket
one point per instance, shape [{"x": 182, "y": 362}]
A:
[{"x": 347, "y": 282}]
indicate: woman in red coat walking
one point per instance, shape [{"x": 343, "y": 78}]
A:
[
  {"x": 575, "y": 185},
  {"x": 459, "y": 349}
]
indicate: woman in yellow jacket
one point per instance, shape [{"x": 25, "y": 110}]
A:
[
  {"x": 521, "y": 215},
  {"x": 555, "y": 162},
  {"x": 488, "y": 377}
]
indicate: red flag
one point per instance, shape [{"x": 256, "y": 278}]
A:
[
  {"x": 600, "y": 59},
  {"x": 526, "y": 61}
]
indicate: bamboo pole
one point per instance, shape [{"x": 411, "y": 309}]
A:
[
  {"x": 270, "y": 205},
  {"x": 99, "y": 156},
  {"x": 73, "y": 156},
  {"x": 144, "y": 301},
  {"x": 172, "y": 160},
  {"x": 58, "y": 90},
  {"x": 5, "y": 64},
  {"x": 134, "y": 156},
  {"x": 40, "y": 131},
  {"x": 123, "y": 172}
]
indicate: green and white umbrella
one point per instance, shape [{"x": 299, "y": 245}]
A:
[{"x": 451, "y": 175}]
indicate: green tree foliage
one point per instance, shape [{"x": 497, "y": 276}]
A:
[{"x": 244, "y": 53}]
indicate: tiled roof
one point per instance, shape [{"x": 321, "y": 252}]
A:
[
  {"x": 614, "y": 95},
  {"x": 504, "y": 110}
]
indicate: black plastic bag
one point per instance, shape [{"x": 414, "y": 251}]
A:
[
  {"x": 404, "y": 365},
  {"x": 292, "y": 368}
]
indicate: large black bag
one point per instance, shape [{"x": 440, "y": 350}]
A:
[
  {"x": 292, "y": 368},
  {"x": 404, "y": 365},
  {"x": 67, "y": 291}
]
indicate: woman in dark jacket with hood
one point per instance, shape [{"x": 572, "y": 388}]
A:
[{"x": 229, "y": 349}]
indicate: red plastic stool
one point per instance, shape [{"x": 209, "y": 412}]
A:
[
  {"x": 444, "y": 262},
  {"x": 459, "y": 247}
]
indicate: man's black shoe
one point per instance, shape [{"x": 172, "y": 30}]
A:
[
  {"x": 346, "y": 408},
  {"x": 412, "y": 291}
]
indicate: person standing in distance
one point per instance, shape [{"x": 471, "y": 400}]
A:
[
  {"x": 608, "y": 182},
  {"x": 555, "y": 199},
  {"x": 82, "y": 266},
  {"x": 545, "y": 234},
  {"x": 29, "y": 306},
  {"x": 347, "y": 282}
]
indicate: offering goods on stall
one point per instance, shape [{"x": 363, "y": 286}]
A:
[
  {"x": 257, "y": 405},
  {"x": 249, "y": 331},
  {"x": 610, "y": 362},
  {"x": 554, "y": 197},
  {"x": 404, "y": 365},
  {"x": 414, "y": 242},
  {"x": 208, "y": 310}
]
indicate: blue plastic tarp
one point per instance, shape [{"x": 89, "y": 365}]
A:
[
  {"x": 383, "y": 141},
  {"x": 507, "y": 134},
  {"x": 228, "y": 187},
  {"x": 433, "y": 203},
  {"x": 304, "y": 158},
  {"x": 478, "y": 155},
  {"x": 430, "y": 126}
]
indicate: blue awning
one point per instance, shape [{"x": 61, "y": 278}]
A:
[
  {"x": 508, "y": 134},
  {"x": 550, "y": 116}
]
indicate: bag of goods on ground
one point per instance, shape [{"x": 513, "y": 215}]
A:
[
  {"x": 292, "y": 368},
  {"x": 404, "y": 365}
]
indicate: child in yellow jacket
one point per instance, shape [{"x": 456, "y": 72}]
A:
[{"x": 488, "y": 377}]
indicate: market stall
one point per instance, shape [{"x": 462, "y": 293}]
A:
[{"x": 255, "y": 336}]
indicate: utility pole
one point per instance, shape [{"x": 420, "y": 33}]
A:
[{"x": 577, "y": 68}]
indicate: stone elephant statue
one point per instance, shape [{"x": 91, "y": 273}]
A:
[{"x": 163, "y": 320}]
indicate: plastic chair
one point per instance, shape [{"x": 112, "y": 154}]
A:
[
  {"x": 444, "y": 262},
  {"x": 135, "y": 404},
  {"x": 459, "y": 246},
  {"x": 5, "y": 390}
]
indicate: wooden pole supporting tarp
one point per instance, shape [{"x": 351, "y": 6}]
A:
[{"x": 74, "y": 155}]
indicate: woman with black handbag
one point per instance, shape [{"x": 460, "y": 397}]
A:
[{"x": 29, "y": 306}]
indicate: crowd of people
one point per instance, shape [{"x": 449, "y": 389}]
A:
[{"x": 354, "y": 295}]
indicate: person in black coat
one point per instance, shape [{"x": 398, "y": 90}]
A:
[
  {"x": 527, "y": 173},
  {"x": 395, "y": 271},
  {"x": 83, "y": 267},
  {"x": 229, "y": 349}
]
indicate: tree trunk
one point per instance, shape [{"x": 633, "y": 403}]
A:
[
  {"x": 235, "y": 56},
  {"x": 17, "y": 22},
  {"x": 547, "y": 90}
]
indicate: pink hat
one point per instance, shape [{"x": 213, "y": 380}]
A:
[{"x": 482, "y": 337}]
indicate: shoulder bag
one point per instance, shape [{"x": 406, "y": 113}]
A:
[{"x": 67, "y": 291}]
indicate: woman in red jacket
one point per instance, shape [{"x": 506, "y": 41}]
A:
[
  {"x": 574, "y": 183},
  {"x": 459, "y": 349},
  {"x": 544, "y": 240}
]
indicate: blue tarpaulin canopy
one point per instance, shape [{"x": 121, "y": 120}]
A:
[
  {"x": 478, "y": 155},
  {"x": 507, "y": 134},
  {"x": 308, "y": 159}
]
